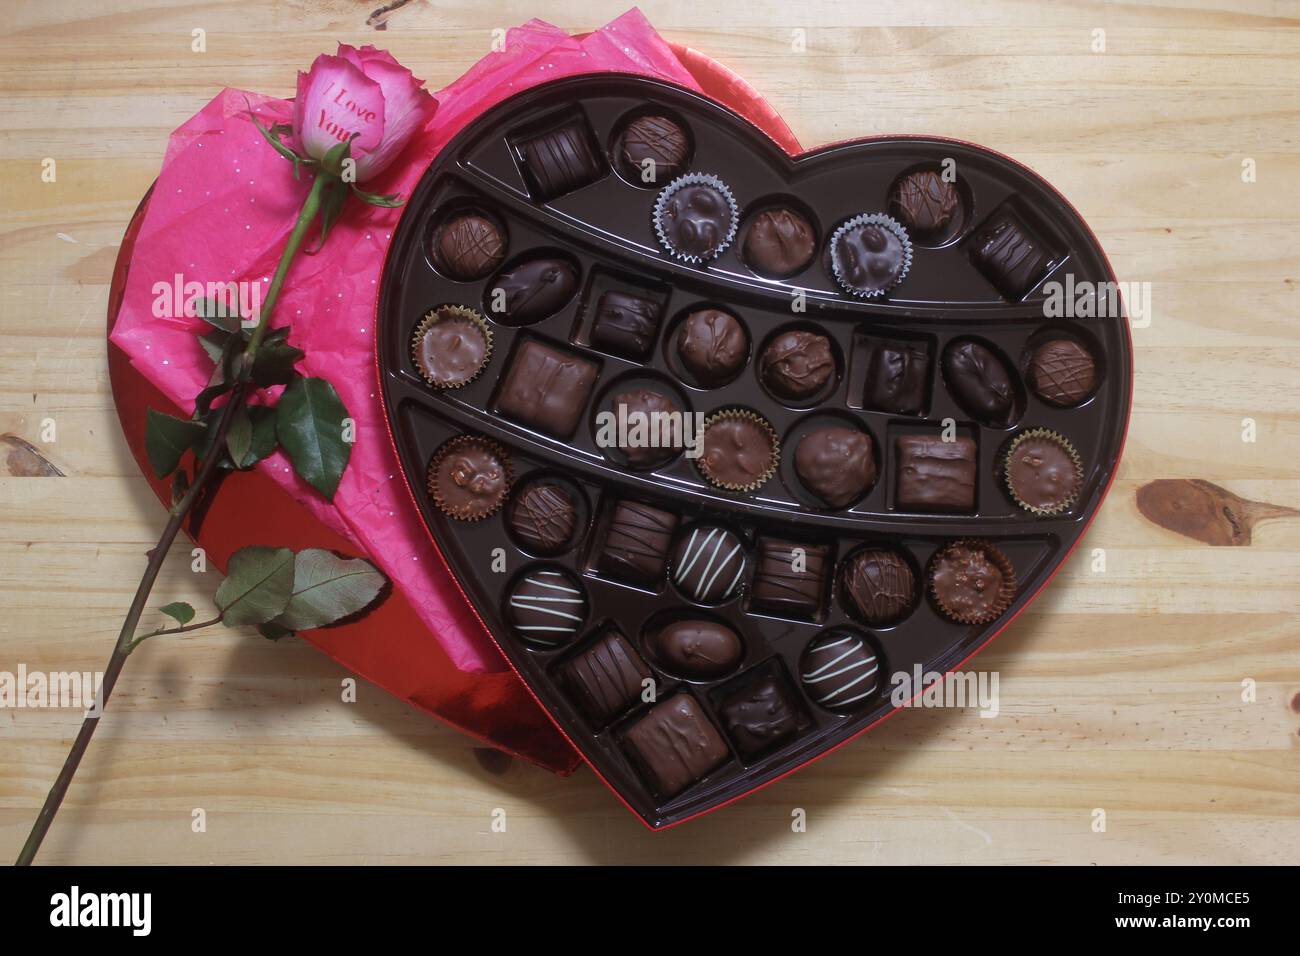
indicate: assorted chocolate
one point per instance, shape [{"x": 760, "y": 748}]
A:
[{"x": 883, "y": 448}]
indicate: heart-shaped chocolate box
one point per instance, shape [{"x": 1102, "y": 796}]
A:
[{"x": 701, "y": 736}]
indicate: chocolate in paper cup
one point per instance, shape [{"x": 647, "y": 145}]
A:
[
  {"x": 1041, "y": 486},
  {"x": 715, "y": 470},
  {"x": 469, "y": 477},
  {"x": 664, "y": 208},
  {"x": 858, "y": 278},
  {"x": 454, "y": 371},
  {"x": 963, "y": 585}
]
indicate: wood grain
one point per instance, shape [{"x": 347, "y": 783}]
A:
[{"x": 1121, "y": 689}]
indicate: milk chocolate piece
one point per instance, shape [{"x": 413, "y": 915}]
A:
[
  {"x": 546, "y": 389},
  {"x": 625, "y": 324},
  {"x": 676, "y": 745},
  {"x": 924, "y": 202},
  {"x": 935, "y": 475},
  {"x": 451, "y": 350},
  {"x": 840, "y": 670},
  {"x": 1010, "y": 257},
  {"x": 651, "y": 151},
  {"x": 708, "y": 565},
  {"x": 739, "y": 452},
  {"x": 791, "y": 578},
  {"x": 532, "y": 290},
  {"x": 543, "y": 517},
  {"x": 980, "y": 382},
  {"x": 972, "y": 581},
  {"x": 880, "y": 586},
  {"x": 779, "y": 243},
  {"x": 760, "y": 715},
  {"x": 698, "y": 649},
  {"x": 607, "y": 678},
  {"x": 1062, "y": 372},
  {"x": 469, "y": 478},
  {"x": 559, "y": 161},
  {"x": 650, "y": 437},
  {"x": 712, "y": 345},
  {"x": 836, "y": 464},
  {"x": 1043, "y": 473},
  {"x": 546, "y": 607},
  {"x": 636, "y": 544},
  {"x": 468, "y": 247},
  {"x": 796, "y": 365},
  {"x": 896, "y": 378}
]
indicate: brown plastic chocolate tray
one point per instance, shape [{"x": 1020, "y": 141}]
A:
[{"x": 605, "y": 228}]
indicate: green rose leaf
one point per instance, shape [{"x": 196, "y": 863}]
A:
[
  {"x": 327, "y": 588},
  {"x": 239, "y": 436},
  {"x": 274, "y": 363},
  {"x": 216, "y": 315},
  {"x": 309, "y": 423},
  {"x": 178, "y": 611},
  {"x": 166, "y": 439},
  {"x": 272, "y": 631},
  {"x": 214, "y": 343},
  {"x": 259, "y": 581}
]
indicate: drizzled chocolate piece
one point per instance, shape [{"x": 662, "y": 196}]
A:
[
  {"x": 1062, "y": 372},
  {"x": 636, "y": 545},
  {"x": 607, "y": 678},
  {"x": 1010, "y": 257},
  {"x": 779, "y": 243},
  {"x": 469, "y": 247},
  {"x": 924, "y": 202},
  {"x": 543, "y": 517},
  {"x": 791, "y": 578},
  {"x": 651, "y": 150},
  {"x": 559, "y": 161},
  {"x": 879, "y": 585}
]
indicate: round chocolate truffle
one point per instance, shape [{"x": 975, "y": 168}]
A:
[
  {"x": 651, "y": 150},
  {"x": 532, "y": 290},
  {"x": 836, "y": 464},
  {"x": 543, "y": 516},
  {"x": 698, "y": 649},
  {"x": 924, "y": 202},
  {"x": 695, "y": 217},
  {"x": 468, "y": 247},
  {"x": 869, "y": 258},
  {"x": 1062, "y": 372},
  {"x": 469, "y": 478},
  {"x": 451, "y": 346},
  {"x": 779, "y": 243},
  {"x": 796, "y": 365},
  {"x": 972, "y": 581},
  {"x": 879, "y": 586},
  {"x": 1043, "y": 472},
  {"x": 740, "y": 451},
  {"x": 980, "y": 382},
  {"x": 708, "y": 564},
  {"x": 840, "y": 670},
  {"x": 712, "y": 345},
  {"x": 640, "y": 440},
  {"x": 546, "y": 607}
]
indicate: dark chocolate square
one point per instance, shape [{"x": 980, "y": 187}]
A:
[
  {"x": 606, "y": 679},
  {"x": 760, "y": 715},
  {"x": 935, "y": 475},
  {"x": 675, "y": 744},
  {"x": 559, "y": 161},
  {"x": 897, "y": 377},
  {"x": 636, "y": 544},
  {"x": 1010, "y": 256},
  {"x": 791, "y": 578},
  {"x": 546, "y": 388},
  {"x": 625, "y": 324}
]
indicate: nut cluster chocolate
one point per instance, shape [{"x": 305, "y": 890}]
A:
[{"x": 868, "y": 441}]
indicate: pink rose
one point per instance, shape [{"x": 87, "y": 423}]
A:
[{"x": 365, "y": 93}]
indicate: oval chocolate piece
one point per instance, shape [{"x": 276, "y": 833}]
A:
[
  {"x": 531, "y": 291},
  {"x": 698, "y": 648},
  {"x": 980, "y": 382}
]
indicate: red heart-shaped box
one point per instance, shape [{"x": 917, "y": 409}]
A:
[{"x": 929, "y": 563}]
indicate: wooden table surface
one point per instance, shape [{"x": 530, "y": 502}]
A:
[{"x": 1120, "y": 690}]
